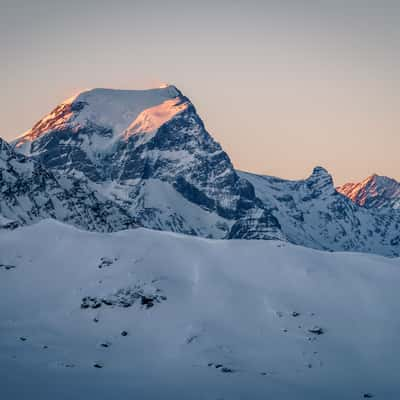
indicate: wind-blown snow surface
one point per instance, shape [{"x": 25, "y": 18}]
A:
[{"x": 220, "y": 302}]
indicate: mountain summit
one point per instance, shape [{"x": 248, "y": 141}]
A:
[
  {"x": 149, "y": 152},
  {"x": 373, "y": 192},
  {"x": 114, "y": 110}
]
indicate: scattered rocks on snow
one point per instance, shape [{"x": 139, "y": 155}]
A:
[
  {"x": 267, "y": 373},
  {"x": 225, "y": 370},
  {"x": 7, "y": 266},
  {"x": 90, "y": 302},
  {"x": 191, "y": 339},
  {"x": 295, "y": 314},
  {"x": 66, "y": 364},
  {"x": 316, "y": 330},
  {"x": 106, "y": 262},
  {"x": 126, "y": 297},
  {"x": 147, "y": 301}
]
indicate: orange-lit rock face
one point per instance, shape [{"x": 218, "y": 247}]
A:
[
  {"x": 354, "y": 191},
  {"x": 53, "y": 121},
  {"x": 374, "y": 191}
]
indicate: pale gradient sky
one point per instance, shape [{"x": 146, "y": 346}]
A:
[{"x": 282, "y": 85}]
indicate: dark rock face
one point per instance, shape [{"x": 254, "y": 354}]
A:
[
  {"x": 29, "y": 193},
  {"x": 316, "y": 330},
  {"x": 64, "y": 150},
  {"x": 7, "y": 267},
  {"x": 256, "y": 224}
]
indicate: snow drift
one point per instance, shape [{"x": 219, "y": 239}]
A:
[{"x": 149, "y": 315}]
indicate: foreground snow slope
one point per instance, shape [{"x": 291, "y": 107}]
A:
[{"x": 197, "y": 303}]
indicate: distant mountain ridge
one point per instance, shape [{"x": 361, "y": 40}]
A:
[
  {"x": 147, "y": 153},
  {"x": 313, "y": 214},
  {"x": 373, "y": 192}
]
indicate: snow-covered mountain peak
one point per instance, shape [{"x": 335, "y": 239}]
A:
[
  {"x": 320, "y": 180},
  {"x": 376, "y": 191},
  {"x": 319, "y": 171},
  {"x": 114, "y": 111}
]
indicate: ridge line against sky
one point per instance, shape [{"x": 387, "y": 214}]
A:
[{"x": 282, "y": 85}]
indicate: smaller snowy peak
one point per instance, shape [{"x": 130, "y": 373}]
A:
[
  {"x": 320, "y": 171},
  {"x": 373, "y": 192},
  {"x": 320, "y": 180}
]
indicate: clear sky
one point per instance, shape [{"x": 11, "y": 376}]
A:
[{"x": 282, "y": 85}]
